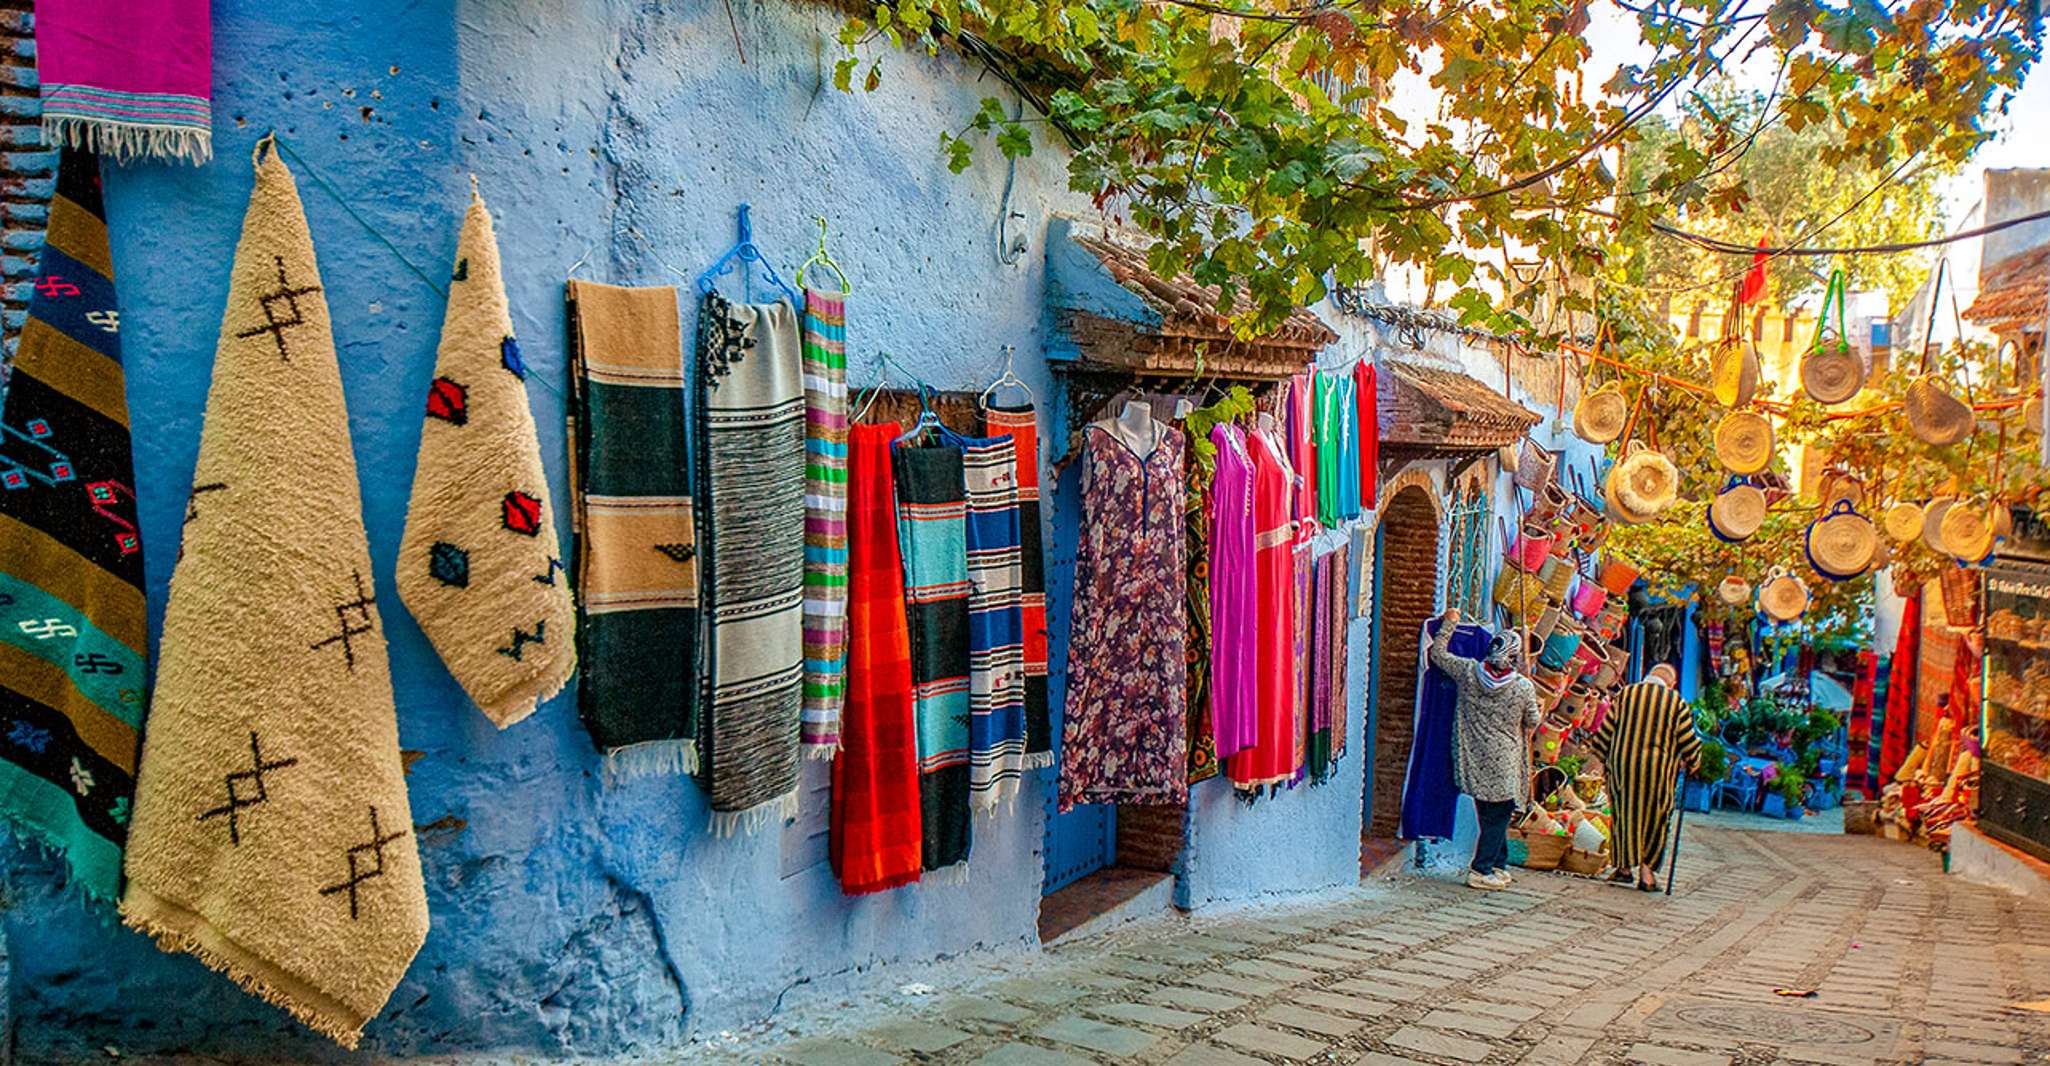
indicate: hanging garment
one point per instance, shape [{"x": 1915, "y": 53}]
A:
[
  {"x": 932, "y": 533},
  {"x": 1430, "y": 800},
  {"x": 1648, "y": 734},
  {"x": 875, "y": 841},
  {"x": 996, "y": 650},
  {"x": 1369, "y": 406},
  {"x": 1347, "y": 414},
  {"x": 1270, "y": 759},
  {"x": 1329, "y": 444},
  {"x": 479, "y": 565},
  {"x": 272, "y": 836},
  {"x": 1305, "y": 610},
  {"x": 73, "y": 624},
  {"x": 638, "y": 640},
  {"x": 1234, "y": 609},
  {"x": 1901, "y": 685},
  {"x": 750, "y": 416},
  {"x": 1302, "y": 446},
  {"x": 1319, "y": 746},
  {"x": 1196, "y": 639},
  {"x": 1336, "y": 621},
  {"x": 1125, "y": 739},
  {"x": 1020, "y": 423},
  {"x": 127, "y": 78},
  {"x": 825, "y": 520},
  {"x": 1858, "y": 728}
]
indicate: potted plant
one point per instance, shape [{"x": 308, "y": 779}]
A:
[
  {"x": 1791, "y": 790},
  {"x": 1704, "y": 781},
  {"x": 1772, "y": 801}
]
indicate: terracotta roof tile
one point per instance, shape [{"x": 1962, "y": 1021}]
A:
[
  {"x": 2011, "y": 292},
  {"x": 1187, "y": 307},
  {"x": 1441, "y": 407}
]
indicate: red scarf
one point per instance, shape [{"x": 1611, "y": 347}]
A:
[
  {"x": 877, "y": 836},
  {"x": 1900, "y": 690}
]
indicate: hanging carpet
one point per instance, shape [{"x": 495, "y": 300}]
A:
[
  {"x": 996, "y": 650},
  {"x": 1021, "y": 424},
  {"x": 825, "y": 520},
  {"x": 932, "y": 533}
]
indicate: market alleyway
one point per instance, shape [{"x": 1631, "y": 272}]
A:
[{"x": 1908, "y": 965}]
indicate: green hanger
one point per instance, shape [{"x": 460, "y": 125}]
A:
[{"x": 825, "y": 259}]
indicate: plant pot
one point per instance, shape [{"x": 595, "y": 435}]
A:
[
  {"x": 1698, "y": 796},
  {"x": 1774, "y": 805}
]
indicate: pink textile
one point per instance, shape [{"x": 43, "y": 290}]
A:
[
  {"x": 127, "y": 78},
  {"x": 1234, "y": 610}
]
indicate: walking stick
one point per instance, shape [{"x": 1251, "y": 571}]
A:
[{"x": 1679, "y": 822}]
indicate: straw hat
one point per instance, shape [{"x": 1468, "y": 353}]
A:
[
  {"x": 1737, "y": 511},
  {"x": 1841, "y": 543},
  {"x": 1733, "y": 590},
  {"x": 1600, "y": 415},
  {"x": 1733, "y": 373},
  {"x": 1932, "y": 523},
  {"x": 1782, "y": 597},
  {"x": 1934, "y": 415},
  {"x": 1646, "y": 481},
  {"x": 1832, "y": 374},
  {"x": 1967, "y": 531},
  {"x": 1743, "y": 442},
  {"x": 1904, "y": 521}
]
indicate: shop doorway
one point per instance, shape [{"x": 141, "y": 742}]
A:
[{"x": 1405, "y": 594}]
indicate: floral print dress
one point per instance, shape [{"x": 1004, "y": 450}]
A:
[{"x": 1125, "y": 738}]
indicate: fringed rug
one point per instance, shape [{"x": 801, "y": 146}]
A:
[
  {"x": 825, "y": 520},
  {"x": 750, "y": 409},
  {"x": 73, "y": 625},
  {"x": 272, "y": 837},
  {"x": 996, "y": 650},
  {"x": 932, "y": 519},
  {"x": 876, "y": 831},
  {"x": 638, "y": 644},
  {"x": 127, "y": 78},
  {"x": 479, "y": 565},
  {"x": 1021, "y": 424}
]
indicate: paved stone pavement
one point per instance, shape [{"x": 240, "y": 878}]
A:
[{"x": 1907, "y": 965}]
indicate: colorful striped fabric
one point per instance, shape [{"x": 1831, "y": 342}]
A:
[
  {"x": 127, "y": 77},
  {"x": 932, "y": 532},
  {"x": 825, "y": 521},
  {"x": 73, "y": 630},
  {"x": 996, "y": 648},
  {"x": 1021, "y": 424}
]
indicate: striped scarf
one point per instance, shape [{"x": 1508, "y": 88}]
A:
[
  {"x": 932, "y": 521},
  {"x": 130, "y": 78},
  {"x": 636, "y": 532},
  {"x": 73, "y": 630},
  {"x": 996, "y": 650},
  {"x": 1021, "y": 424},
  {"x": 825, "y": 521},
  {"x": 750, "y": 409}
]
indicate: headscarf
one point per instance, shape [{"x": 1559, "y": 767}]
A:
[{"x": 1663, "y": 674}]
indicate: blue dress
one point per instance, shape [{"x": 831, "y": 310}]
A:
[{"x": 1429, "y": 798}]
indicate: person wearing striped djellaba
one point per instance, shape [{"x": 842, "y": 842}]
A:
[{"x": 1648, "y": 734}]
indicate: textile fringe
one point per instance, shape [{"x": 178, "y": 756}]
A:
[
  {"x": 47, "y": 846},
  {"x": 651, "y": 759},
  {"x": 947, "y": 876},
  {"x": 995, "y": 805},
  {"x": 727, "y": 824},
  {"x": 124, "y": 141},
  {"x": 823, "y": 752},
  {"x": 174, "y": 942},
  {"x": 1037, "y": 760}
]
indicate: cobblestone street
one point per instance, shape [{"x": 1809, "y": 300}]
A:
[{"x": 1907, "y": 965}]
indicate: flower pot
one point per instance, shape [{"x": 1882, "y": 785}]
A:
[
  {"x": 1775, "y": 806},
  {"x": 1698, "y": 796}
]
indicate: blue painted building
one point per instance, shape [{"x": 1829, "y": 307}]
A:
[{"x": 613, "y": 139}]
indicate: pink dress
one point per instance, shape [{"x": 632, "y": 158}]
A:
[
  {"x": 1272, "y": 758},
  {"x": 1234, "y": 621}
]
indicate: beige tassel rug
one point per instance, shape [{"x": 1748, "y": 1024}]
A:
[
  {"x": 271, "y": 835},
  {"x": 479, "y": 566}
]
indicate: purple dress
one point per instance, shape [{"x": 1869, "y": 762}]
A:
[
  {"x": 1234, "y": 614},
  {"x": 1125, "y": 737}
]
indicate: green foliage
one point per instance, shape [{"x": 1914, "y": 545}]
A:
[
  {"x": 1714, "y": 764},
  {"x": 1792, "y": 785}
]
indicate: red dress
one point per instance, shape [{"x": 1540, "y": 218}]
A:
[{"x": 1272, "y": 757}]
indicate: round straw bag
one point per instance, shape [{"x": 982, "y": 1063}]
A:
[
  {"x": 1733, "y": 590},
  {"x": 1967, "y": 531},
  {"x": 1616, "y": 511},
  {"x": 1932, "y": 523},
  {"x": 1744, "y": 442},
  {"x": 1600, "y": 415},
  {"x": 1737, "y": 511},
  {"x": 1841, "y": 543},
  {"x": 1934, "y": 415},
  {"x": 1837, "y": 486},
  {"x": 1782, "y": 597},
  {"x": 1733, "y": 372},
  {"x": 1903, "y": 521},
  {"x": 1646, "y": 481},
  {"x": 1831, "y": 373}
]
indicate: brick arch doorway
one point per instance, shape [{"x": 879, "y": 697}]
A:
[{"x": 1406, "y": 579}]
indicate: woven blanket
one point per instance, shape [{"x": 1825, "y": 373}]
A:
[
  {"x": 996, "y": 642},
  {"x": 1197, "y": 640},
  {"x": 638, "y": 643},
  {"x": 1021, "y": 424},
  {"x": 932, "y": 532},
  {"x": 750, "y": 410},
  {"x": 876, "y": 830},
  {"x": 479, "y": 565},
  {"x": 73, "y": 629},
  {"x": 825, "y": 520},
  {"x": 128, "y": 78},
  {"x": 272, "y": 836}
]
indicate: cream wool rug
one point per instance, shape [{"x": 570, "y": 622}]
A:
[
  {"x": 271, "y": 834},
  {"x": 479, "y": 566}
]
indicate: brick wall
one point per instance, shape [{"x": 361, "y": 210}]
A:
[
  {"x": 1150, "y": 837},
  {"x": 1409, "y": 587},
  {"x": 27, "y": 170}
]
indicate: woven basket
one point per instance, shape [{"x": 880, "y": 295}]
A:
[
  {"x": 1961, "y": 598},
  {"x": 1737, "y": 511},
  {"x": 1534, "y": 466},
  {"x": 1546, "y": 850},
  {"x": 1646, "y": 481},
  {"x": 1583, "y": 863},
  {"x": 1733, "y": 590},
  {"x": 1841, "y": 543},
  {"x": 1744, "y": 442},
  {"x": 1614, "y": 510},
  {"x": 1903, "y": 521},
  {"x": 1967, "y": 531},
  {"x": 1838, "y": 485},
  {"x": 1832, "y": 373},
  {"x": 1600, "y": 415},
  {"x": 1520, "y": 593},
  {"x": 1618, "y": 574},
  {"x": 1782, "y": 597},
  {"x": 1932, "y": 523},
  {"x": 1733, "y": 373},
  {"x": 1934, "y": 415},
  {"x": 1557, "y": 575}
]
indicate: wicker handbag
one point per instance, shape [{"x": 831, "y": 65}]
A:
[
  {"x": 1534, "y": 465},
  {"x": 1646, "y": 481},
  {"x": 1600, "y": 415},
  {"x": 1733, "y": 590},
  {"x": 1903, "y": 521},
  {"x": 1967, "y": 531},
  {"x": 1520, "y": 593},
  {"x": 1584, "y": 863},
  {"x": 1831, "y": 373},
  {"x": 1961, "y": 598},
  {"x": 1744, "y": 442},
  {"x": 1737, "y": 511},
  {"x": 1932, "y": 523},
  {"x": 1733, "y": 372},
  {"x": 1934, "y": 415},
  {"x": 1782, "y": 597},
  {"x": 1841, "y": 543}
]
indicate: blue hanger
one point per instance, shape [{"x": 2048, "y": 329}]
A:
[
  {"x": 927, "y": 418},
  {"x": 744, "y": 251}
]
